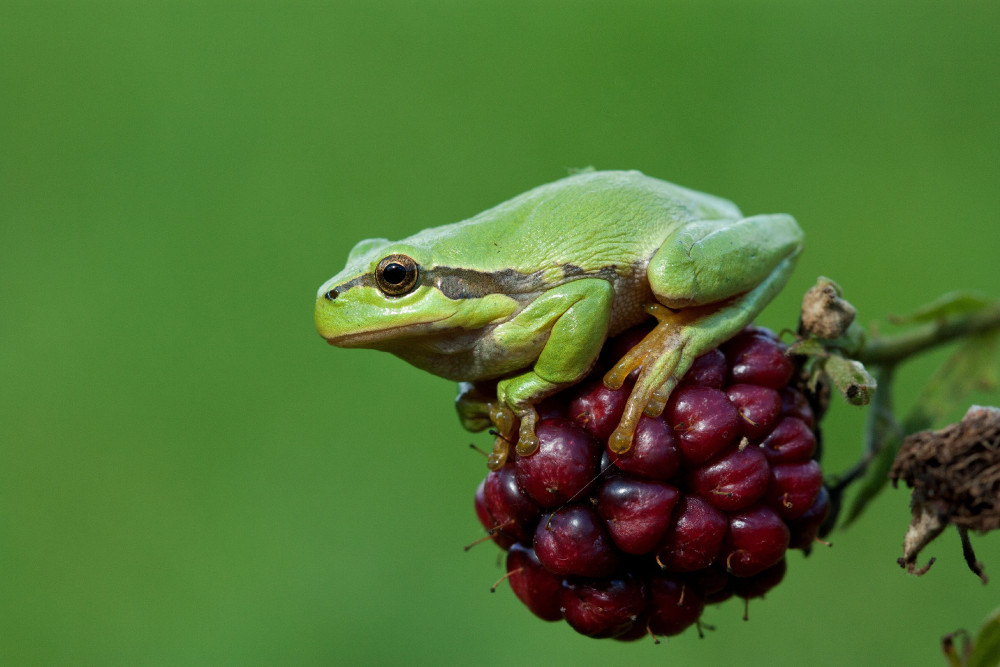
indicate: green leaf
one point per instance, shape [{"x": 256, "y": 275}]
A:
[
  {"x": 952, "y": 303},
  {"x": 851, "y": 378},
  {"x": 986, "y": 646},
  {"x": 972, "y": 366}
]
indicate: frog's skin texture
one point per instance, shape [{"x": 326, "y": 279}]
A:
[{"x": 526, "y": 292}]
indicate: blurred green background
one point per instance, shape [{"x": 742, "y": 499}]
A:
[{"x": 190, "y": 475}]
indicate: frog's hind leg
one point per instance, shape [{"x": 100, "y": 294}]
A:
[
  {"x": 715, "y": 276},
  {"x": 662, "y": 361}
]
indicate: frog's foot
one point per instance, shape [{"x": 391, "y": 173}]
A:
[
  {"x": 503, "y": 420},
  {"x": 527, "y": 442},
  {"x": 663, "y": 357},
  {"x": 478, "y": 409},
  {"x": 518, "y": 395}
]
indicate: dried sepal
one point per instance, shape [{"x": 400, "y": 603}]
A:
[
  {"x": 825, "y": 314},
  {"x": 955, "y": 476}
]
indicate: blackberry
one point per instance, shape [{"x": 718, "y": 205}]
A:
[{"x": 702, "y": 507}]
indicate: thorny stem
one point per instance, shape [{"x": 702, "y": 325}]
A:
[{"x": 890, "y": 350}]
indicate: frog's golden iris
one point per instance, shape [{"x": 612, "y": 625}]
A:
[{"x": 396, "y": 275}]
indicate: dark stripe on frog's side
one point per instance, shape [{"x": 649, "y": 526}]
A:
[
  {"x": 456, "y": 283},
  {"x": 471, "y": 284},
  {"x": 607, "y": 272}
]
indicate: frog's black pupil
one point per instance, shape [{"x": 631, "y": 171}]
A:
[
  {"x": 332, "y": 294},
  {"x": 394, "y": 273}
]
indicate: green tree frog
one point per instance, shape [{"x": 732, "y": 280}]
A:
[{"x": 528, "y": 291}]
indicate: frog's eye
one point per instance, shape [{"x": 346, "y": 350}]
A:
[{"x": 396, "y": 275}]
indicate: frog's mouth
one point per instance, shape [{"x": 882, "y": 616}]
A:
[{"x": 372, "y": 337}]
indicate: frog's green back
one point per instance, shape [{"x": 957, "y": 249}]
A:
[{"x": 590, "y": 221}]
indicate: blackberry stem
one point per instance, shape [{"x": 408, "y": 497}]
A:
[{"x": 890, "y": 350}]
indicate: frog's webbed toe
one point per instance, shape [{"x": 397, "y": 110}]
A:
[
  {"x": 498, "y": 457},
  {"x": 503, "y": 420},
  {"x": 527, "y": 441},
  {"x": 662, "y": 358}
]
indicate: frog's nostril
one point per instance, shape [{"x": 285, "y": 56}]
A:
[{"x": 332, "y": 294}]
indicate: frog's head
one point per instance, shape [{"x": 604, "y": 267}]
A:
[{"x": 390, "y": 292}]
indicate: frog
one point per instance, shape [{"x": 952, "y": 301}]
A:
[{"x": 526, "y": 293}]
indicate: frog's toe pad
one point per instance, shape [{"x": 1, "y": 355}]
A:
[{"x": 527, "y": 441}]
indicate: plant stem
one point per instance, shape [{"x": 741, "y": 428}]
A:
[
  {"x": 959, "y": 374},
  {"x": 889, "y": 350}
]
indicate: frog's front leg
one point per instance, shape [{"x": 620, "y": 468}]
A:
[
  {"x": 711, "y": 279},
  {"x": 570, "y": 322}
]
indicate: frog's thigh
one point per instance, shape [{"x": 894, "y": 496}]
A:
[
  {"x": 576, "y": 317},
  {"x": 713, "y": 260}
]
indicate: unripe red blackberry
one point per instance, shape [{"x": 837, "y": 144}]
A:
[
  {"x": 534, "y": 585},
  {"x": 603, "y": 607},
  {"x": 575, "y": 542},
  {"x": 703, "y": 506},
  {"x": 760, "y": 408},
  {"x": 653, "y": 454},
  {"x": 637, "y": 512},
  {"x": 565, "y": 463},
  {"x": 733, "y": 480},
  {"x": 794, "y": 488},
  {"x": 705, "y": 420},
  {"x": 674, "y": 604},
  {"x": 791, "y": 441},
  {"x": 513, "y": 515},
  {"x": 756, "y": 356},
  {"x": 709, "y": 370},
  {"x": 694, "y": 538},
  {"x": 757, "y": 540},
  {"x": 598, "y": 409},
  {"x": 805, "y": 528}
]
